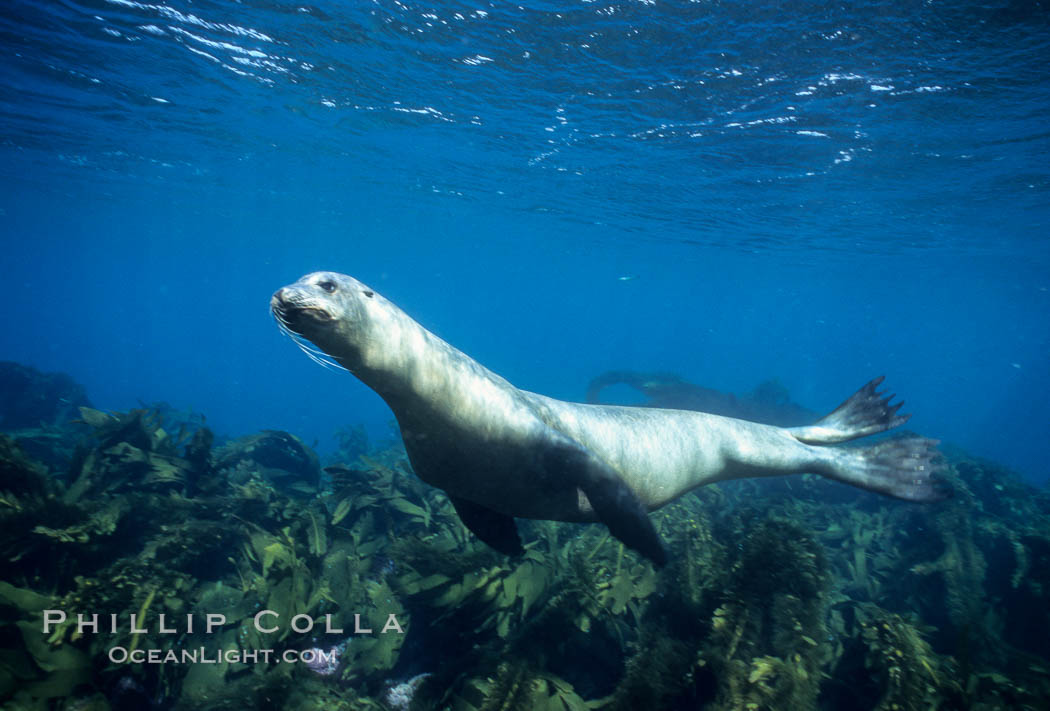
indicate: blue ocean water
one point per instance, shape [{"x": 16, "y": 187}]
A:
[{"x": 820, "y": 193}]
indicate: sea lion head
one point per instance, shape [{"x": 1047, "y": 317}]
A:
[{"x": 328, "y": 309}]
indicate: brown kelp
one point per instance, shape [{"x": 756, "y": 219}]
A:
[{"x": 787, "y": 594}]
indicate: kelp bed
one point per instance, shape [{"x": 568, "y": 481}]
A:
[{"x": 781, "y": 594}]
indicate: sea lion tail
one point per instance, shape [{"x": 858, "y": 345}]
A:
[
  {"x": 866, "y": 412},
  {"x": 905, "y": 468}
]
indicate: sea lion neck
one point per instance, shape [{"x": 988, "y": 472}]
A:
[{"x": 407, "y": 365}]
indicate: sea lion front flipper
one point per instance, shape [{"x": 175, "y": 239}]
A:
[
  {"x": 613, "y": 501},
  {"x": 496, "y": 529}
]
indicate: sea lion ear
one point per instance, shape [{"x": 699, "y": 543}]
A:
[
  {"x": 496, "y": 529},
  {"x": 616, "y": 505}
]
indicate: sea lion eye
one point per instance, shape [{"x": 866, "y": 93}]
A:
[
  {"x": 328, "y": 286},
  {"x": 369, "y": 293}
]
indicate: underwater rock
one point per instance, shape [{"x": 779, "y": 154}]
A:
[
  {"x": 324, "y": 662},
  {"x": 281, "y": 457},
  {"x": 399, "y": 697},
  {"x": 35, "y": 399},
  {"x": 37, "y": 409},
  {"x": 769, "y": 403}
]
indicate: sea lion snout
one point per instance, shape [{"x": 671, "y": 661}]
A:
[
  {"x": 296, "y": 306},
  {"x": 278, "y": 299},
  {"x": 297, "y": 296}
]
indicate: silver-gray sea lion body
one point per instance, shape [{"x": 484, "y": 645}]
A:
[{"x": 500, "y": 452}]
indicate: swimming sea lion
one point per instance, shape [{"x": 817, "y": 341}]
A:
[{"x": 500, "y": 452}]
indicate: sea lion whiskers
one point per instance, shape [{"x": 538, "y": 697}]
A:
[
  {"x": 314, "y": 354},
  {"x": 320, "y": 359}
]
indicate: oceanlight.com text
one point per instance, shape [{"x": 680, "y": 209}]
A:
[{"x": 122, "y": 655}]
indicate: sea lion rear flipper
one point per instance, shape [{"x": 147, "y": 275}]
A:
[
  {"x": 906, "y": 468},
  {"x": 496, "y": 529},
  {"x": 613, "y": 501},
  {"x": 866, "y": 412}
]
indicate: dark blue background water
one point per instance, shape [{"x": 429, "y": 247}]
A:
[{"x": 817, "y": 192}]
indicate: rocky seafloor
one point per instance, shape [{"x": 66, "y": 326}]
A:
[{"x": 794, "y": 593}]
